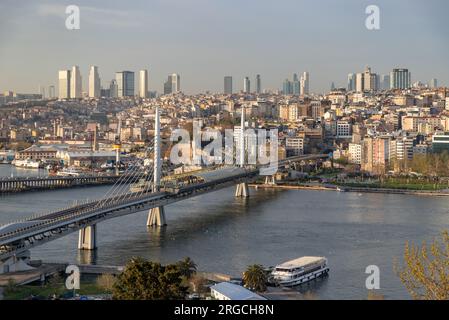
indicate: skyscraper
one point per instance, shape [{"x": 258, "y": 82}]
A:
[
  {"x": 258, "y": 84},
  {"x": 433, "y": 83},
  {"x": 287, "y": 87},
  {"x": 359, "y": 82},
  {"x": 370, "y": 80},
  {"x": 175, "y": 83},
  {"x": 385, "y": 82},
  {"x": 143, "y": 83},
  {"x": 113, "y": 89},
  {"x": 351, "y": 81},
  {"x": 305, "y": 83},
  {"x": 51, "y": 92},
  {"x": 296, "y": 85},
  {"x": 94, "y": 82},
  {"x": 246, "y": 85},
  {"x": 42, "y": 91},
  {"x": 64, "y": 84},
  {"x": 167, "y": 86},
  {"x": 400, "y": 79},
  {"x": 125, "y": 83},
  {"x": 75, "y": 83},
  {"x": 227, "y": 85}
]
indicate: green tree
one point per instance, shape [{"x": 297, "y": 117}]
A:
[
  {"x": 187, "y": 267},
  {"x": 425, "y": 273},
  {"x": 255, "y": 278},
  {"x": 106, "y": 282},
  {"x": 146, "y": 280}
]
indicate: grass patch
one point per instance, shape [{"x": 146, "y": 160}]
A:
[
  {"x": 48, "y": 290},
  {"x": 398, "y": 186}
]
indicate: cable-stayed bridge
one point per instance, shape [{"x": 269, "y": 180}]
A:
[{"x": 153, "y": 192}]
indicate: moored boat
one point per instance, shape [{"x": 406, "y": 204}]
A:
[{"x": 300, "y": 270}]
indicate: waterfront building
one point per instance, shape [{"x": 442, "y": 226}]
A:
[
  {"x": 231, "y": 291},
  {"x": 440, "y": 142},
  {"x": 355, "y": 153}
]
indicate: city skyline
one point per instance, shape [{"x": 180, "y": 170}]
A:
[{"x": 40, "y": 29}]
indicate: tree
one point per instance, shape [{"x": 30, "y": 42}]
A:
[
  {"x": 425, "y": 273},
  {"x": 146, "y": 280},
  {"x": 106, "y": 282},
  {"x": 255, "y": 278},
  {"x": 198, "y": 284},
  {"x": 187, "y": 267}
]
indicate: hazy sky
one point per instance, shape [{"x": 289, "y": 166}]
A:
[{"x": 203, "y": 40}]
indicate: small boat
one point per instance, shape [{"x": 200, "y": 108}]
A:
[
  {"x": 340, "y": 189},
  {"x": 299, "y": 271},
  {"x": 69, "y": 172},
  {"x": 27, "y": 163}
]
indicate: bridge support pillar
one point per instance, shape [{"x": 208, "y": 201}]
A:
[
  {"x": 156, "y": 217},
  {"x": 270, "y": 180},
  {"x": 242, "y": 190},
  {"x": 88, "y": 238}
]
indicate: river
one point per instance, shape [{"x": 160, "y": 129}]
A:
[{"x": 224, "y": 234}]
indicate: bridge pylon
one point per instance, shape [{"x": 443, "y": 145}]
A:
[
  {"x": 156, "y": 216},
  {"x": 87, "y": 239},
  {"x": 242, "y": 189}
]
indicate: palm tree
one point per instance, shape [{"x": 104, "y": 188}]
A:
[
  {"x": 255, "y": 278},
  {"x": 187, "y": 267}
]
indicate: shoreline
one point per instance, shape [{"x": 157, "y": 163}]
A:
[{"x": 352, "y": 189}]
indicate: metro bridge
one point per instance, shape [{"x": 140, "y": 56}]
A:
[{"x": 17, "y": 238}]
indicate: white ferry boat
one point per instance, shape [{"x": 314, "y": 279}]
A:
[
  {"x": 298, "y": 271},
  {"x": 27, "y": 163},
  {"x": 69, "y": 172}
]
